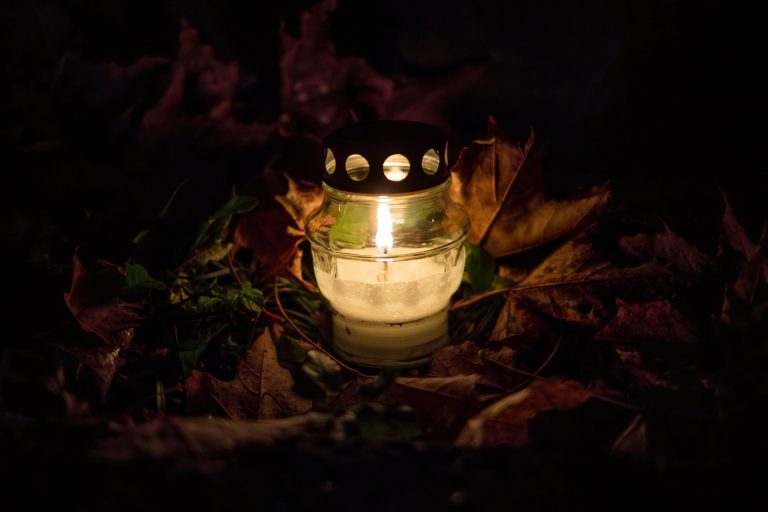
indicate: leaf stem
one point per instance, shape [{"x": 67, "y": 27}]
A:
[{"x": 477, "y": 298}]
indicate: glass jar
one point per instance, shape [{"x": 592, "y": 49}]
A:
[{"x": 387, "y": 242}]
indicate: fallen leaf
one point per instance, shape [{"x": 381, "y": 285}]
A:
[
  {"x": 199, "y": 78},
  {"x": 744, "y": 297},
  {"x": 633, "y": 440},
  {"x": 505, "y": 423},
  {"x": 649, "y": 321},
  {"x": 519, "y": 317},
  {"x": 94, "y": 300},
  {"x": 500, "y": 183},
  {"x": 667, "y": 247},
  {"x": 265, "y": 233},
  {"x": 262, "y": 388},
  {"x": 577, "y": 284},
  {"x": 103, "y": 362},
  {"x": 466, "y": 359},
  {"x": 440, "y": 403},
  {"x": 300, "y": 200},
  {"x": 639, "y": 374},
  {"x": 198, "y": 438},
  {"x": 732, "y": 234},
  {"x": 319, "y": 89}
]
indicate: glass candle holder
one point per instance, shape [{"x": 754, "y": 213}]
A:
[{"x": 387, "y": 242}]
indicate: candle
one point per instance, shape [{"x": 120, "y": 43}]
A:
[{"x": 387, "y": 243}]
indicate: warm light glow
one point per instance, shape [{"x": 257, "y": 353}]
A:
[{"x": 384, "y": 239}]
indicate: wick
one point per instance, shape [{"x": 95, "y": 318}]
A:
[{"x": 382, "y": 275}]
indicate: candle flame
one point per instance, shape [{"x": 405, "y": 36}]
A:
[{"x": 384, "y": 241}]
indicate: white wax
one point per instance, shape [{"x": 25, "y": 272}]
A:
[{"x": 392, "y": 292}]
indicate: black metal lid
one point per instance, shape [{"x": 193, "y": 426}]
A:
[{"x": 371, "y": 158}]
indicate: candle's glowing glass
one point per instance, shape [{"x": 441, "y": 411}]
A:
[{"x": 387, "y": 242}]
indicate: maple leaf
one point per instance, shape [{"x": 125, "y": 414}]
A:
[
  {"x": 261, "y": 389},
  {"x": 649, "y": 321},
  {"x": 215, "y": 85},
  {"x": 577, "y": 284},
  {"x": 319, "y": 89},
  {"x": 666, "y": 247},
  {"x": 440, "y": 403},
  {"x": 505, "y": 423},
  {"x": 94, "y": 299},
  {"x": 500, "y": 184}
]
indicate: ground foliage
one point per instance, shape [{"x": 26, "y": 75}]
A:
[{"x": 575, "y": 328}]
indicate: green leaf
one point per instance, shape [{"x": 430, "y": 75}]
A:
[
  {"x": 246, "y": 298},
  {"x": 137, "y": 277},
  {"x": 479, "y": 269},
  {"x": 351, "y": 228},
  {"x": 234, "y": 206},
  {"x": 190, "y": 351}
]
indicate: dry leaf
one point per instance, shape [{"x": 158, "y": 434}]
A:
[
  {"x": 732, "y": 234},
  {"x": 519, "y": 317},
  {"x": 94, "y": 300},
  {"x": 505, "y": 423},
  {"x": 667, "y": 247},
  {"x": 640, "y": 375},
  {"x": 751, "y": 286},
  {"x": 649, "y": 321},
  {"x": 500, "y": 184},
  {"x": 576, "y": 284},
  {"x": 440, "y": 403},
  {"x": 214, "y": 85},
  {"x": 633, "y": 440},
  {"x": 262, "y": 388},
  {"x": 300, "y": 200},
  {"x": 466, "y": 359},
  {"x": 319, "y": 89}
]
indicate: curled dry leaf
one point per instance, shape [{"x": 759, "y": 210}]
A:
[
  {"x": 667, "y": 247},
  {"x": 440, "y": 403},
  {"x": 500, "y": 184},
  {"x": 505, "y": 423},
  {"x": 732, "y": 234},
  {"x": 649, "y": 321},
  {"x": 94, "y": 300},
  {"x": 103, "y": 362},
  {"x": 261, "y": 389}
]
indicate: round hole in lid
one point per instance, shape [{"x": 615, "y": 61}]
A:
[
  {"x": 396, "y": 167},
  {"x": 430, "y": 162},
  {"x": 357, "y": 167},
  {"x": 330, "y": 161}
]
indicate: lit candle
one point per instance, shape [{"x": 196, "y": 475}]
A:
[{"x": 388, "y": 263}]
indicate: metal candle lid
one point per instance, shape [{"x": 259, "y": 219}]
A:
[{"x": 385, "y": 157}]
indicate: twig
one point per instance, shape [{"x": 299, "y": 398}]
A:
[
  {"x": 536, "y": 375},
  {"x": 307, "y": 338},
  {"x": 231, "y": 263},
  {"x": 477, "y": 298}
]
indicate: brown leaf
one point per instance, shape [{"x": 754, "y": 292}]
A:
[
  {"x": 103, "y": 362},
  {"x": 94, "y": 300},
  {"x": 505, "y": 423},
  {"x": 198, "y": 439},
  {"x": 266, "y": 234},
  {"x": 576, "y": 284},
  {"x": 649, "y": 321},
  {"x": 732, "y": 234},
  {"x": 262, "y": 388},
  {"x": 633, "y": 440},
  {"x": 640, "y": 375},
  {"x": 667, "y": 247},
  {"x": 319, "y": 89},
  {"x": 300, "y": 200},
  {"x": 750, "y": 290},
  {"x": 440, "y": 403},
  {"x": 215, "y": 84},
  {"x": 518, "y": 317},
  {"x": 466, "y": 359},
  {"x": 500, "y": 184}
]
